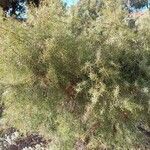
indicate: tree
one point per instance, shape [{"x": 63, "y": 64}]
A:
[{"x": 136, "y": 3}]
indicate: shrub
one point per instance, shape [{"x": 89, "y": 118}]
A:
[{"x": 77, "y": 76}]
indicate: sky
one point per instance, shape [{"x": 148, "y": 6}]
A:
[{"x": 70, "y": 2}]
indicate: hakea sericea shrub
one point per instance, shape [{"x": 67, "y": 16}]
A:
[{"x": 98, "y": 66}]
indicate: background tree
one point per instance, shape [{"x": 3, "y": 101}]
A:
[{"x": 137, "y": 4}]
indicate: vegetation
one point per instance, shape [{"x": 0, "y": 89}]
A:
[
  {"x": 139, "y": 3},
  {"x": 80, "y": 77}
]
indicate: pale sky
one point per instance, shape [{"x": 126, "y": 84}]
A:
[{"x": 70, "y": 2}]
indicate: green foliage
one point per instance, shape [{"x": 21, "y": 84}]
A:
[{"x": 79, "y": 75}]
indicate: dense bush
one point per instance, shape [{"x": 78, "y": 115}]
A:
[{"x": 78, "y": 76}]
